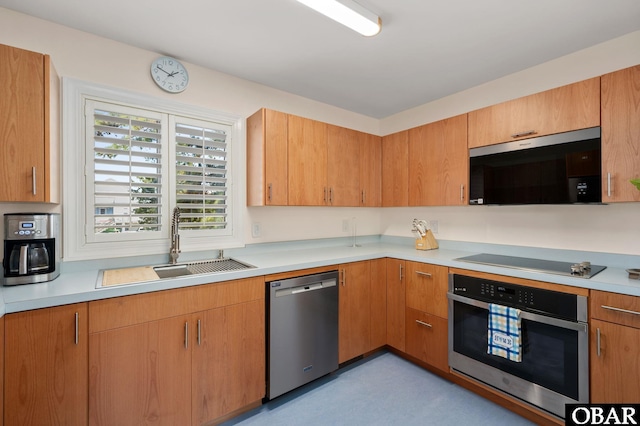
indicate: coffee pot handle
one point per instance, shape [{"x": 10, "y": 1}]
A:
[{"x": 24, "y": 256}]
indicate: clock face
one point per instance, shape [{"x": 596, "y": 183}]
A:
[{"x": 169, "y": 74}]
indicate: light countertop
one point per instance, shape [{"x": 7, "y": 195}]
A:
[{"x": 74, "y": 286}]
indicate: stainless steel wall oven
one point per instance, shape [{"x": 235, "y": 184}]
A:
[{"x": 554, "y": 369}]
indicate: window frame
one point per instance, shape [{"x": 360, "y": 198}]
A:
[{"x": 76, "y": 245}]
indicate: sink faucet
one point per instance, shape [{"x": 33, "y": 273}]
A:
[{"x": 174, "y": 252}]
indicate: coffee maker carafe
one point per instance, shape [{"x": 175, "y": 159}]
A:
[{"x": 31, "y": 248}]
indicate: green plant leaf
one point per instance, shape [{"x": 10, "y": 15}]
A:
[{"x": 636, "y": 182}]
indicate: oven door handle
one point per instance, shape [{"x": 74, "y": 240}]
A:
[{"x": 578, "y": 326}]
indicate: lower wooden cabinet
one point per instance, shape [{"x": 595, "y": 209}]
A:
[
  {"x": 45, "y": 366},
  {"x": 161, "y": 358},
  {"x": 615, "y": 359},
  {"x": 426, "y": 338},
  {"x": 396, "y": 289}
]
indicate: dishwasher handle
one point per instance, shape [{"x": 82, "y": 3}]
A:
[{"x": 305, "y": 288}]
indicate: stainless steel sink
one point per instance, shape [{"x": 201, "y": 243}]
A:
[{"x": 200, "y": 267}]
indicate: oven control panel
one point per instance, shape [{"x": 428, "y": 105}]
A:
[{"x": 562, "y": 305}]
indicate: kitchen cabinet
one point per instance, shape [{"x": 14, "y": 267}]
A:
[
  {"x": 620, "y": 134},
  {"x": 343, "y": 173},
  {"x": 45, "y": 366},
  {"x": 426, "y": 327},
  {"x": 29, "y": 127},
  {"x": 378, "y": 305},
  {"x": 439, "y": 163},
  {"x": 185, "y": 356},
  {"x": 396, "y": 290},
  {"x": 307, "y": 162},
  {"x": 370, "y": 170},
  {"x": 354, "y": 298},
  {"x": 395, "y": 169},
  {"x": 267, "y": 136},
  {"x": 615, "y": 358},
  {"x": 571, "y": 107}
]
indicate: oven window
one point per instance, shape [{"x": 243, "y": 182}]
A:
[{"x": 550, "y": 353}]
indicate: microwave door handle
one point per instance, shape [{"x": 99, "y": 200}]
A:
[{"x": 22, "y": 266}]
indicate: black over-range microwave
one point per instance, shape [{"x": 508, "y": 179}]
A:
[{"x": 564, "y": 168}]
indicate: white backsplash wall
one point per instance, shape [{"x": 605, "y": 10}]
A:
[
  {"x": 613, "y": 228},
  {"x": 300, "y": 223}
]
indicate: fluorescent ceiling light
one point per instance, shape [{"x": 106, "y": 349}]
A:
[{"x": 348, "y": 13}]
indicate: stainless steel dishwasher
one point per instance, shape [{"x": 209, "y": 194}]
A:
[{"x": 302, "y": 337}]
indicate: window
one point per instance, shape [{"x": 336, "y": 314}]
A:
[{"x": 141, "y": 158}]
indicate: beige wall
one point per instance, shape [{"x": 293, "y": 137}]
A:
[{"x": 600, "y": 228}]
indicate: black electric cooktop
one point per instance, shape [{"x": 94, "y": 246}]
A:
[{"x": 578, "y": 269}]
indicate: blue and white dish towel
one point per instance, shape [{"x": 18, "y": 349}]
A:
[{"x": 505, "y": 332}]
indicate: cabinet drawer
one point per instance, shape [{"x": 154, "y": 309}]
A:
[
  {"x": 427, "y": 288},
  {"x": 617, "y": 308},
  {"x": 426, "y": 338}
]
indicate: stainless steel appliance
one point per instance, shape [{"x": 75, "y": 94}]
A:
[
  {"x": 302, "y": 338},
  {"x": 579, "y": 269},
  {"x": 554, "y": 370},
  {"x": 31, "y": 247},
  {"x": 564, "y": 168}
]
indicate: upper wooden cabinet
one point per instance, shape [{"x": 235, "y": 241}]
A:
[
  {"x": 571, "y": 107},
  {"x": 307, "y": 145},
  {"x": 267, "y": 182},
  {"x": 29, "y": 127},
  {"x": 620, "y": 134},
  {"x": 370, "y": 170},
  {"x": 395, "y": 169},
  {"x": 439, "y": 163},
  {"x": 45, "y": 368},
  {"x": 343, "y": 173}
]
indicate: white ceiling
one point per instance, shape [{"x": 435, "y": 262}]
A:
[{"x": 427, "y": 49}]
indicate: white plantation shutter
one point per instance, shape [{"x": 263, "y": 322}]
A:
[
  {"x": 201, "y": 174},
  {"x": 126, "y": 182}
]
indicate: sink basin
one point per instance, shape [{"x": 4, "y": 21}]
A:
[
  {"x": 140, "y": 274},
  {"x": 200, "y": 267}
]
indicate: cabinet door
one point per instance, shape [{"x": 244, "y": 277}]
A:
[
  {"x": 343, "y": 167},
  {"x": 228, "y": 360},
  {"x": 141, "y": 374},
  {"x": 615, "y": 369},
  {"x": 354, "y": 326},
  {"x": 378, "y": 305},
  {"x": 427, "y": 338},
  {"x": 395, "y": 170},
  {"x": 396, "y": 279},
  {"x": 45, "y": 381},
  {"x": 22, "y": 125},
  {"x": 620, "y": 135},
  {"x": 267, "y": 159},
  {"x": 370, "y": 170},
  {"x": 427, "y": 288},
  {"x": 307, "y": 162},
  {"x": 571, "y": 107},
  {"x": 439, "y": 163}
]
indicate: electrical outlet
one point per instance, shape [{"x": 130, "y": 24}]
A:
[
  {"x": 346, "y": 224},
  {"x": 434, "y": 226},
  {"x": 256, "y": 230}
]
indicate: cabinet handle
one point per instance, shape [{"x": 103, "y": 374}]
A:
[
  {"x": 624, "y": 311},
  {"x": 33, "y": 180},
  {"x": 521, "y": 134},
  {"x": 269, "y": 191},
  {"x": 598, "y": 341},
  {"x": 324, "y": 196},
  {"x": 199, "y": 333},
  {"x": 364, "y": 197},
  {"x": 330, "y": 195},
  {"x": 343, "y": 281},
  {"x": 462, "y": 192},
  {"x": 424, "y": 274},
  {"x": 401, "y": 272},
  {"x": 608, "y": 184},
  {"x": 426, "y": 324},
  {"x": 77, "y": 337},
  {"x": 186, "y": 335}
]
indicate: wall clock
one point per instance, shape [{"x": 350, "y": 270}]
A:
[{"x": 169, "y": 74}]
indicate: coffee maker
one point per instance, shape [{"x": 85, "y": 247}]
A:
[{"x": 31, "y": 247}]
